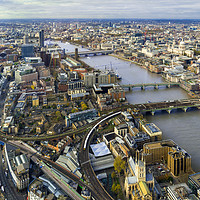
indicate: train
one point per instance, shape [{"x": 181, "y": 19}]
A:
[{"x": 89, "y": 134}]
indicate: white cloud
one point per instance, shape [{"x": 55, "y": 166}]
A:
[{"x": 99, "y": 9}]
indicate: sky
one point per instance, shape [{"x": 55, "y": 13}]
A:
[{"x": 147, "y": 9}]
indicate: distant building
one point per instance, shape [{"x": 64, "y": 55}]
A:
[
  {"x": 27, "y": 50},
  {"x": 25, "y": 39},
  {"x": 35, "y": 101},
  {"x": 41, "y": 38}
]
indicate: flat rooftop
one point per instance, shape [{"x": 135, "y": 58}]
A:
[
  {"x": 196, "y": 178},
  {"x": 159, "y": 144}
]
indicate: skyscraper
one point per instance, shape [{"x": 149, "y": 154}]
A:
[
  {"x": 41, "y": 39},
  {"x": 27, "y": 50},
  {"x": 25, "y": 38}
]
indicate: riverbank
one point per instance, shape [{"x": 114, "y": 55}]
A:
[
  {"x": 190, "y": 93},
  {"x": 125, "y": 59}
]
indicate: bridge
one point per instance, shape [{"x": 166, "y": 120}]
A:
[
  {"x": 168, "y": 106},
  {"x": 155, "y": 85},
  {"x": 91, "y": 53}
]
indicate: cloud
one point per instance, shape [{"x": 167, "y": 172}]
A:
[{"x": 100, "y": 9}]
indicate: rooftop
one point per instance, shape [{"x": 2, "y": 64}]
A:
[{"x": 100, "y": 149}]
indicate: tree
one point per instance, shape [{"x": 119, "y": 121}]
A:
[
  {"x": 74, "y": 110},
  {"x": 119, "y": 164},
  {"x": 62, "y": 197},
  {"x": 116, "y": 188},
  {"x": 54, "y": 106},
  {"x": 113, "y": 175},
  {"x": 58, "y": 115},
  {"x": 83, "y": 106}
]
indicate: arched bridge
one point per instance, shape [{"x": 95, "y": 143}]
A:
[
  {"x": 168, "y": 106},
  {"x": 144, "y": 85}
]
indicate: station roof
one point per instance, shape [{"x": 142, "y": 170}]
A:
[{"x": 100, "y": 149}]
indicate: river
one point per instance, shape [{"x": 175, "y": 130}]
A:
[{"x": 183, "y": 128}]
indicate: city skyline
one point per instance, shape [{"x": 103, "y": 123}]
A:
[{"x": 158, "y": 9}]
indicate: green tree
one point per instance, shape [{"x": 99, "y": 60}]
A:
[
  {"x": 58, "y": 115},
  {"x": 54, "y": 106},
  {"x": 113, "y": 175},
  {"x": 119, "y": 164},
  {"x": 62, "y": 197},
  {"x": 74, "y": 110},
  {"x": 116, "y": 188}
]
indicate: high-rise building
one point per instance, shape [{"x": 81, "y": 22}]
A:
[
  {"x": 76, "y": 53},
  {"x": 41, "y": 38},
  {"x": 27, "y": 50},
  {"x": 25, "y": 38}
]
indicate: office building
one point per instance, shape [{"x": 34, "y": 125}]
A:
[
  {"x": 179, "y": 192},
  {"x": 99, "y": 78},
  {"x": 41, "y": 38},
  {"x": 194, "y": 182},
  {"x": 76, "y": 53},
  {"x": 82, "y": 115},
  {"x": 35, "y": 100},
  {"x": 27, "y": 50},
  {"x": 26, "y": 73},
  {"x": 18, "y": 165},
  {"x": 153, "y": 131},
  {"x": 177, "y": 159},
  {"x": 25, "y": 39}
]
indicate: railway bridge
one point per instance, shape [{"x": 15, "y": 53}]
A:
[{"x": 168, "y": 106}]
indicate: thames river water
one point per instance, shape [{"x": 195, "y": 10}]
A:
[{"x": 183, "y": 128}]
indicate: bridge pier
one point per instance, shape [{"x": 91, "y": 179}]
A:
[
  {"x": 169, "y": 111},
  {"x": 156, "y": 87},
  {"x": 184, "y": 109},
  {"x": 142, "y": 87},
  {"x": 168, "y": 86}
]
